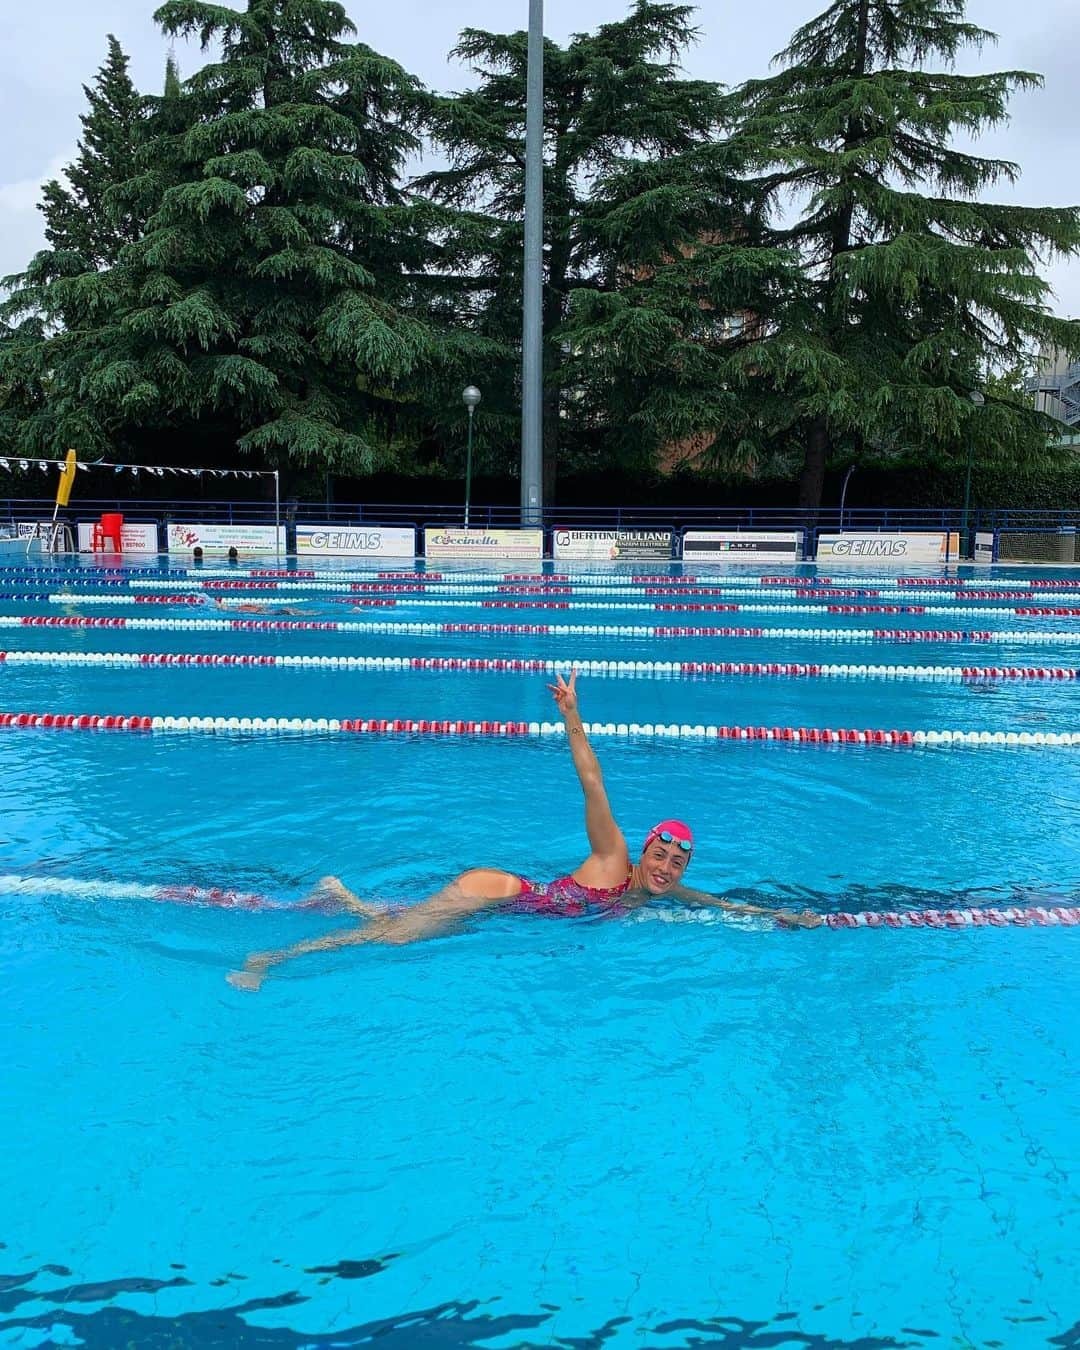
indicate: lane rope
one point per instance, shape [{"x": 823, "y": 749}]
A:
[
  {"x": 387, "y": 602},
  {"x": 126, "y": 890},
  {"x": 514, "y": 665},
  {"x": 851, "y": 579},
  {"x": 542, "y": 629},
  {"x": 1031, "y": 916},
  {"x": 272, "y": 726},
  {"x": 422, "y": 589}
]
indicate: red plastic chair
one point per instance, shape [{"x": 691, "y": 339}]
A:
[{"x": 110, "y": 527}]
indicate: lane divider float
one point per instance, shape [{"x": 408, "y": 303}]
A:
[
  {"x": 1031, "y": 916},
  {"x": 612, "y": 578},
  {"x": 271, "y": 726},
  {"x": 437, "y": 589},
  {"x": 127, "y": 890},
  {"x": 516, "y": 665},
  {"x": 372, "y": 602},
  {"x": 1015, "y": 636}
]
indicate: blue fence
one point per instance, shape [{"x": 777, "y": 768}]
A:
[
  {"x": 828, "y": 519},
  {"x": 1031, "y": 535}
]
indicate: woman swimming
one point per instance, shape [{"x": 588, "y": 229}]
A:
[
  {"x": 247, "y": 606},
  {"x": 607, "y": 882}
]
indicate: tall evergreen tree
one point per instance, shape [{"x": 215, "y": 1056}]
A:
[
  {"x": 657, "y": 357},
  {"x": 917, "y": 287},
  {"x": 610, "y": 94},
  {"x": 264, "y": 304},
  {"x": 79, "y": 218}
]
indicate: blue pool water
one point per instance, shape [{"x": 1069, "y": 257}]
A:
[{"x": 664, "y": 1132}]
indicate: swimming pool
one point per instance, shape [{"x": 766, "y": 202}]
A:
[{"x": 663, "y": 1132}]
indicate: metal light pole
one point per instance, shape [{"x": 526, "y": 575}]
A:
[
  {"x": 532, "y": 366},
  {"x": 843, "y": 495},
  {"x": 470, "y": 396},
  {"x": 978, "y": 399}
]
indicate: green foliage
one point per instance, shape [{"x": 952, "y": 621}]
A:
[
  {"x": 914, "y": 288},
  {"x": 609, "y": 95},
  {"x": 269, "y": 269},
  {"x": 80, "y": 218},
  {"x": 802, "y": 272}
]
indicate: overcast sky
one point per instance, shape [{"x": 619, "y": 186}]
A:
[{"x": 49, "y": 48}]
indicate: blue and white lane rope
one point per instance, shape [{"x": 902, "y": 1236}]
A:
[{"x": 536, "y": 665}]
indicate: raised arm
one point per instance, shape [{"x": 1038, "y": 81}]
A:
[{"x": 605, "y": 838}]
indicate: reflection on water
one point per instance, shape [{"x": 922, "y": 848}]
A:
[{"x": 445, "y": 1326}]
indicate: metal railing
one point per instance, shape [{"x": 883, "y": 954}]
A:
[{"x": 827, "y": 519}]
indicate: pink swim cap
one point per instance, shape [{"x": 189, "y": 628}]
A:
[{"x": 680, "y": 834}]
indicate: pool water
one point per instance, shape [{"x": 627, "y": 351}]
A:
[{"x": 678, "y": 1130}]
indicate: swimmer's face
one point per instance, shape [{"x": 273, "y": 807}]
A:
[{"x": 662, "y": 866}]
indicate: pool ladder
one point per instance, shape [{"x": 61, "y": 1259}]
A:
[{"x": 55, "y": 537}]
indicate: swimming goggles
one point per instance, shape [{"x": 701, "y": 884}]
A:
[{"x": 666, "y": 837}]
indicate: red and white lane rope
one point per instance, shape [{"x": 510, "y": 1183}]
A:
[
  {"x": 613, "y": 579},
  {"x": 273, "y": 726},
  {"x": 126, "y": 890},
  {"x": 1019, "y": 636},
  {"x": 516, "y": 665},
  {"x": 1030, "y": 916},
  {"x": 371, "y": 602},
  {"x": 421, "y": 590}
]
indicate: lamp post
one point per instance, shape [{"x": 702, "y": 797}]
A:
[
  {"x": 978, "y": 399},
  {"x": 843, "y": 495},
  {"x": 532, "y": 370},
  {"x": 470, "y": 396}
]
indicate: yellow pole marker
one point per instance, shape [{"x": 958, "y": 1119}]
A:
[{"x": 67, "y": 478}]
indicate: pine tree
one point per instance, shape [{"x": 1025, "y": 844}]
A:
[
  {"x": 696, "y": 288},
  {"x": 79, "y": 218},
  {"x": 917, "y": 287},
  {"x": 264, "y": 305},
  {"x": 609, "y": 95}
]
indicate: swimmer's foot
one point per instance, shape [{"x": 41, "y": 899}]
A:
[
  {"x": 249, "y": 980},
  {"x": 253, "y": 973},
  {"x": 334, "y": 891}
]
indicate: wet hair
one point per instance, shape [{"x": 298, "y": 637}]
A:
[
  {"x": 233, "y": 555},
  {"x": 196, "y": 553}
]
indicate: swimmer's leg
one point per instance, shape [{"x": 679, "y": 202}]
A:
[
  {"x": 334, "y": 891},
  {"x": 470, "y": 893}
]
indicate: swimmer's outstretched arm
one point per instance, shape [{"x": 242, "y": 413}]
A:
[
  {"x": 788, "y": 918},
  {"x": 605, "y": 838}
]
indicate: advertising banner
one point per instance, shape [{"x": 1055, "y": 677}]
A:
[
  {"x": 613, "y": 545},
  {"x": 218, "y": 539},
  {"x": 984, "y": 547},
  {"x": 138, "y": 537},
  {"x": 884, "y": 550},
  {"x": 355, "y": 541},
  {"x": 746, "y": 546},
  {"x": 443, "y": 545}
]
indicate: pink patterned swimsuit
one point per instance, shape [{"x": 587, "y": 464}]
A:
[{"x": 567, "y": 898}]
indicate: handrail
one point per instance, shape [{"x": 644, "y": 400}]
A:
[{"x": 677, "y": 517}]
